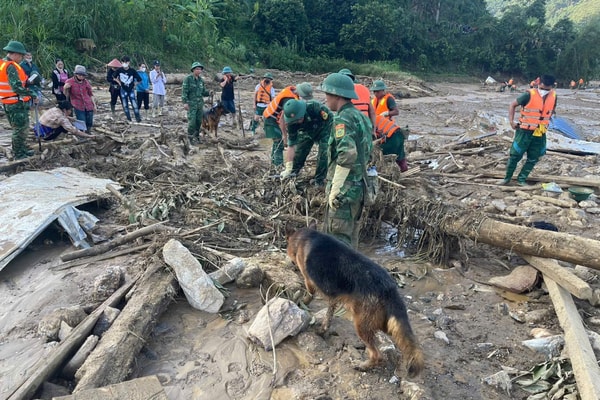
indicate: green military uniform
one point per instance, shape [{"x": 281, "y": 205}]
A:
[
  {"x": 192, "y": 94},
  {"x": 349, "y": 146},
  {"x": 273, "y": 131},
  {"x": 316, "y": 127},
  {"x": 18, "y": 113},
  {"x": 525, "y": 143}
]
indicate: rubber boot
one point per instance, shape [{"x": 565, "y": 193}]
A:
[
  {"x": 402, "y": 164},
  {"x": 160, "y": 110},
  {"x": 525, "y": 171},
  {"x": 153, "y": 112},
  {"x": 112, "y": 111}
]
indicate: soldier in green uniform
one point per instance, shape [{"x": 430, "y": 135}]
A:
[
  {"x": 307, "y": 123},
  {"x": 349, "y": 148},
  {"x": 15, "y": 97},
  {"x": 192, "y": 96}
]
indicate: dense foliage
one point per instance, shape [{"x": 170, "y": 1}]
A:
[{"x": 511, "y": 38}]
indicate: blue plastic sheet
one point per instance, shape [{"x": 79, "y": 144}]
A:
[{"x": 561, "y": 125}]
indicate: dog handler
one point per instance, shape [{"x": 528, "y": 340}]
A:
[
  {"x": 349, "y": 148},
  {"x": 192, "y": 96}
]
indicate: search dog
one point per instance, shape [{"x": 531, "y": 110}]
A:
[
  {"x": 343, "y": 275},
  {"x": 211, "y": 117}
]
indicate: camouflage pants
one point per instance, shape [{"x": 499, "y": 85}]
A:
[
  {"x": 304, "y": 145},
  {"x": 18, "y": 117},
  {"x": 272, "y": 131},
  {"x": 194, "y": 116},
  {"x": 344, "y": 222}
]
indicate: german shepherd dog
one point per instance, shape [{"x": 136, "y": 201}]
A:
[
  {"x": 211, "y": 117},
  {"x": 343, "y": 275}
]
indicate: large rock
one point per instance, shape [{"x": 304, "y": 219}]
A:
[
  {"x": 49, "y": 326},
  {"x": 198, "y": 287},
  {"x": 521, "y": 279},
  {"x": 280, "y": 316}
]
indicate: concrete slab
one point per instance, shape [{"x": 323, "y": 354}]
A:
[
  {"x": 146, "y": 388},
  {"x": 32, "y": 200}
]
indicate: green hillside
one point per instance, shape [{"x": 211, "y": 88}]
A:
[{"x": 577, "y": 11}]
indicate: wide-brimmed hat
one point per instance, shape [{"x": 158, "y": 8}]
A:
[
  {"x": 115, "y": 63},
  {"x": 339, "y": 85},
  {"x": 268, "y": 75},
  {"x": 305, "y": 90},
  {"x": 196, "y": 65},
  {"x": 378, "y": 85},
  {"x": 347, "y": 72},
  {"x": 80, "y": 70},
  {"x": 15, "y": 47},
  {"x": 227, "y": 70}
]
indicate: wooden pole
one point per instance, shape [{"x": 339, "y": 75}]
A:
[
  {"x": 44, "y": 368},
  {"x": 583, "y": 360},
  {"x": 550, "y": 268},
  {"x": 113, "y": 358}
]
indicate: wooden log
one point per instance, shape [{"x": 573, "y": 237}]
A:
[
  {"x": 524, "y": 240},
  {"x": 556, "y": 202},
  {"x": 583, "y": 361},
  {"x": 103, "y": 248},
  {"x": 113, "y": 358},
  {"x": 550, "y": 268},
  {"x": 44, "y": 368},
  {"x": 559, "y": 179}
]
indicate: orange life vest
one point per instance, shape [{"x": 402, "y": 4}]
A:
[
  {"x": 581, "y": 81},
  {"x": 364, "y": 98},
  {"x": 510, "y": 82},
  {"x": 275, "y": 107},
  {"x": 538, "y": 111},
  {"x": 263, "y": 94},
  {"x": 385, "y": 127},
  {"x": 380, "y": 105},
  {"x": 7, "y": 94}
]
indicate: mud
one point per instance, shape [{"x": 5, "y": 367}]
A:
[{"x": 198, "y": 355}]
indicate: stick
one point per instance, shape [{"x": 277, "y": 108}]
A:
[
  {"x": 241, "y": 117},
  {"x": 47, "y": 365},
  {"x": 583, "y": 361},
  {"x": 102, "y": 257},
  {"x": 92, "y": 251},
  {"x": 390, "y": 182},
  {"x": 550, "y": 268}
]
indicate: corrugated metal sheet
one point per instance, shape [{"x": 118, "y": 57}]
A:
[{"x": 31, "y": 200}]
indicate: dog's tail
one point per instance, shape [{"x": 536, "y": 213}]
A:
[{"x": 398, "y": 327}]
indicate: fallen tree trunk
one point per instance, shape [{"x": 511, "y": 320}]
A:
[
  {"x": 46, "y": 366},
  {"x": 565, "y": 180},
  {"x": 112, "y": 360},
  {"x": 530, "y": 241}
]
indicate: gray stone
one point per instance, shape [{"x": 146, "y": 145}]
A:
[
  {"x": 228, "y": 272},
  {"x": 198, "y": 287},
  {"x": 107, "y": 283},
  {"x": 279, "y": 317},
  {"x": 49, "y": 325},
  {"x": 250, "y": 277}
]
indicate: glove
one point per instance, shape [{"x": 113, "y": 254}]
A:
[
  {"x": 339, "y": 177},
  {"x": 288, "y": 170},
  {"x": 385, "y": 113}
]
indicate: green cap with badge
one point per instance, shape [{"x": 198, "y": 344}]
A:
[
  {"x": 15, "y": 47},
  {"x": 293, "y": 110},
  {"x": 378, "y": 85},
  {"x": 339, "y": 85},
  {"x": 196, "y": 65}
]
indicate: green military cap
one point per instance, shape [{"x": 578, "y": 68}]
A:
[
  {"x": 346, "y": 71},
  {"x": 15, "y": 47},
  {"x": 196, "y": 65},
  {"x": 378, "y": 85},
  {"x": 293, "y": 110},
  {"x": 268, "y": 75},
  {"x": 339, "y": 85},
  {"x": 305, "y": 90}
]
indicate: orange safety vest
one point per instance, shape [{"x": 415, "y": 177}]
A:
[
  {"x": 263, "y": 94},
  {"x": 275, "y": 107},
  {"x": 364, "y": 98},
  {"x": 380, "y": 105},
  {"x": 385, "y": 127},
  {"x": 538, "y": 111},
  {"x": 510, "y": 82},
  {"x": 581, "y": 81},
  {"x": 7, "y": 94}
]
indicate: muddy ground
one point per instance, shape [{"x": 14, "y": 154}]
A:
[{"x": 469, "y": 330}]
